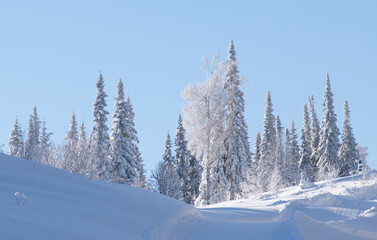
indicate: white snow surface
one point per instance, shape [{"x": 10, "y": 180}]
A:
[{"x": 60, "y": 205}]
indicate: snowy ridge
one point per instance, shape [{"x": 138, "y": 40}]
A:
[{"x": 64, "y": 206}]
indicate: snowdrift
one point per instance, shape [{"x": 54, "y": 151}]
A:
[
  {"x": 64, "y": 206},
  {"x": 60, "y": 205}
]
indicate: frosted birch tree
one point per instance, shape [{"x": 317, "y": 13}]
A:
[{"x": 204, "y": 112}]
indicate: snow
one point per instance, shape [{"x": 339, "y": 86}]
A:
[{"x": 64, "y": 206}]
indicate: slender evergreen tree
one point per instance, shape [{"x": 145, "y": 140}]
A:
[
  {"x": 123, "y": 164},
  {"x": 46, "y": 155},
  {"x": 70, "y": 157},
  {"x": 237, "y": 147},
  {"x": 279, "y": 149},
  {"x": 82, "y": 151},
  {"x": 194, "y": 175},
  {"x": 292, "y": 157},
  {"x": 181, "y": 156},
  {"x": 99, "y": 139},
  {"x": 171, "y": 183},
  {"x": 314, "y": 137},
  {"x": 257, "y": 150},
  {"x": 328, "y": 147},
  {"x": 137, "y": 161},
  {"x": 32, "y": 140},
  {"x": 305, "y": 164},
  {"x": 16, "y": 141},
  {"x": 275, "y": 180},
  {"x": 267, "y": 146},
  {"x": 348, "y": 154}
]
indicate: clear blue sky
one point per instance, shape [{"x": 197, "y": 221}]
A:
[{"x": 51, "y": 54}]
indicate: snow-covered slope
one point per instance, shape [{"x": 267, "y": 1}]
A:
[{"x": 63, "y": 206}]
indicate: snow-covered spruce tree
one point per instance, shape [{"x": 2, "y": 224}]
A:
[
  {"x": 69, "y": 148},
  {"x": 287, "y": 153},
  {"x": 99, "y": 139},
  {"x": 348, "y": 154},
  {"x": 123, "y": 163},
  {"x": 140, "y": 181},
  {"x": 305, "y": 164},
  {"x": 275, "y": 181},
  {"x": 253, "y": 179},
  {"x": 82, "y": 152},
  {"x": 181, "y": 156},
  {"x": 171, "y": 183},
  {"x": 267, "y": 147},
  {"x": 314, "y": 137},
  {"x": 204, "y": 113},
  {"x": 32, "y": 140},
  {"x": 329, "y": 137},
  {"x": 194, "y": 175},
  {"x": 291, "y": 174},
  {"x": 46, "y": 155},
  {"x": 16, "y": 141},
  {"x": 279, "y": 150},
  {"x": 257, "y": 149},
  {"x": 236, "y": 143}
]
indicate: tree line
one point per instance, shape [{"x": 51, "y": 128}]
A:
[
  {"x": 114, "y": 157},
  {"x": 217, "y": 138},
  {"x": 212, "y": 160}
]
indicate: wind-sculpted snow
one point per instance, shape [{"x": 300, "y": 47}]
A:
[{"x": 64, "y": 206}]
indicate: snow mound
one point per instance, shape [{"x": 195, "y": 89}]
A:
[
  {"x": 306, "y": 185},
  {"x": 64, "y": 206}
]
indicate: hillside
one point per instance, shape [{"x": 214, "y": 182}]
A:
[{"x": 64, "y": 206}]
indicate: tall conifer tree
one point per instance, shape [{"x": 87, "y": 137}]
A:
[
  {"x": 314, "y": 137},
  {"x": 267, "y": 146},
  {"x": 292, "y": 157},
  {"x": 32, "y": 140},
  {"x": 348, "y": 154},
  {"x": 171, "y": 183},
  {"x": 82, "y": 151},
  {"x": 70, "y": 157},
  {"x": 16, "y": 141},
  {"x": 99, "y": 138},
  {"x": 46, "y": 155},
  {"x": 328, "y": 147},
  {"x": 137, "y": 161},
  {"x": 237, "y": 147},
  {"x": 305, "y": 164},
  {"x": 181, "y": 156},
  {"x": 123, "y": 166}
]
